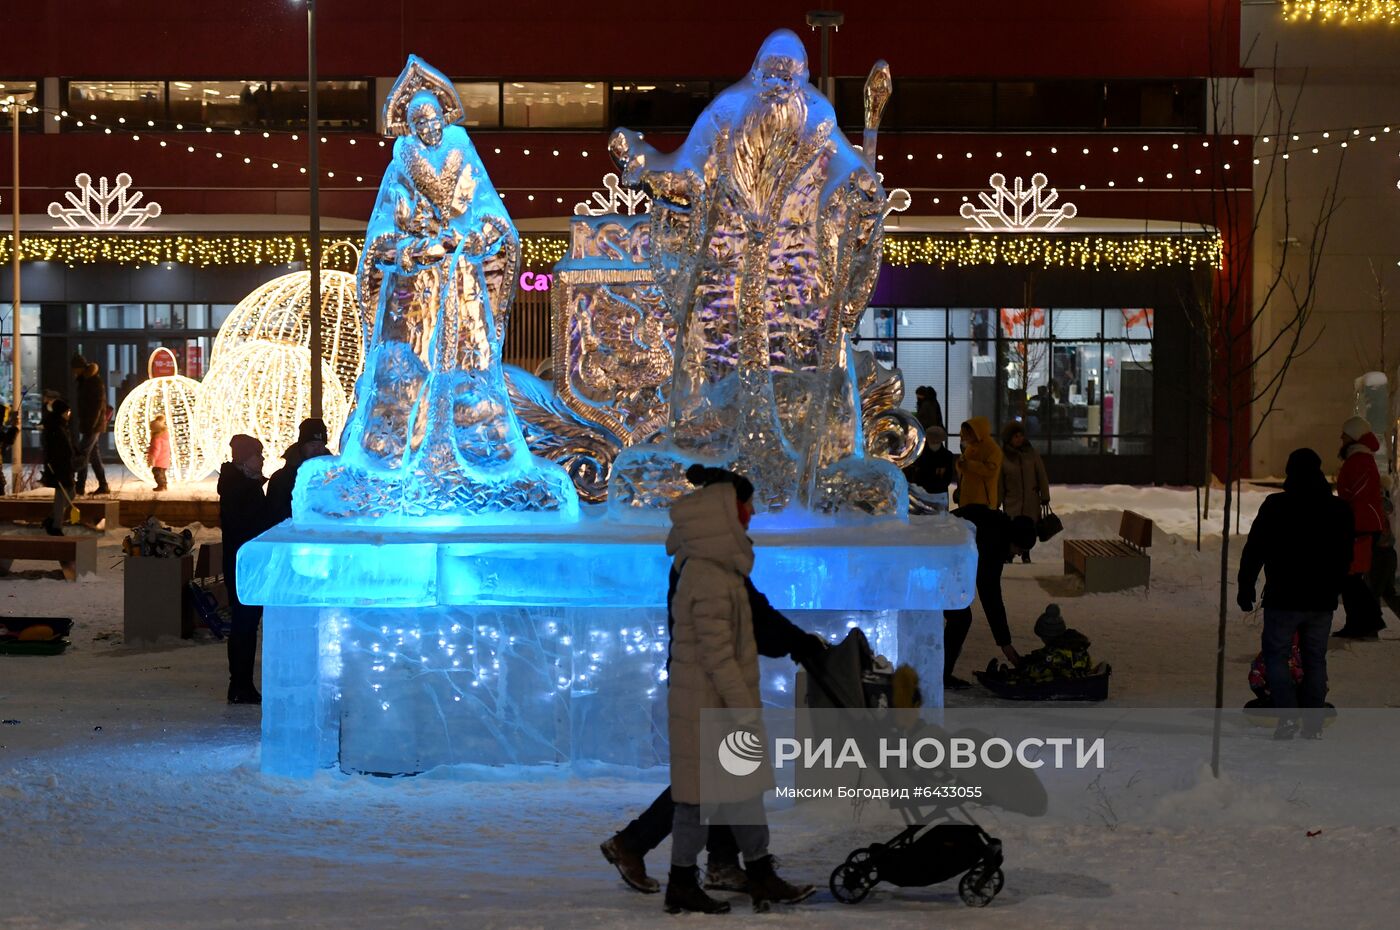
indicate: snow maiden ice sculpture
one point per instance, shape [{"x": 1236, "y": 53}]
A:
[
  {"x": 433, "y": 440},
  {"x": 766, "y": 227}
]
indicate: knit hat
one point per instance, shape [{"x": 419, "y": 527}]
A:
[
  {"x": 244, "y": 447},
  {"x": 60, "y": 407},
  {"x": 78, "y": 363},
  {"x": 1304, "y": 471},
  {"x": 312, "y": 429},
  {"x": 1356, "y": 427},
  {"x": 702, "y": 476},
  {"x": 1050, "y": 624},
  {"x": 935, "y": 434}
]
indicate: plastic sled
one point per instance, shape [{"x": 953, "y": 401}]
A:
[
  {"x": 18, "y": 635},
  {"x": 1092, "y": 687}
]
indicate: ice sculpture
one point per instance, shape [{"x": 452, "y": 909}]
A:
[
  {"x": 398, "y": 652},
  {"x": 433, "y": 440},
  {"x": 766, "y": 232}
]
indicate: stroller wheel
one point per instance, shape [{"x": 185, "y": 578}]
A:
[
  {"x": 851, "y": 883},
  {"x": 980, "y": 885}
]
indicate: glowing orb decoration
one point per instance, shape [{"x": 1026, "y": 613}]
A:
[
  {"x": 280, "y": 311},
  {"x": 175, "y": 396},
  {"x": 263, "y": 389}
]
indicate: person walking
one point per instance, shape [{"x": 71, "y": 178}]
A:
[
  {"x": 714, "y": 665},
  {"x": 59, "y": 461},
  {"x": 1302, "y": 540},
  {"x": 1025, "y": 488},
  {"x": 776, "y": 637},
  {"x": 1359, "y": 485},
  {"x": 311, "y": 443},
  {"x": 93, "y": 413},
  {"x": 993, "y": 544},
  {"x": 979, "y": 464},
  {"x": 244, "y": 513},
  {"x": 158, "y": 451}
]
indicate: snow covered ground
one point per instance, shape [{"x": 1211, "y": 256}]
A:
[{"x": 130, "y": 795}]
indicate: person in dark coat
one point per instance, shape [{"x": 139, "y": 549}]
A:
[
  {"x": 993, "y": 544},
  {"x": 776, "y": 637},
  {"x": 244, "y": 513},
  {"x": 93, "y": 413},
  {"x": 59, "y": 461},
  {"x": 935, "y": 467},
  {"x": 1302, "y": 540},
  {"x": 311, "y": 443}
]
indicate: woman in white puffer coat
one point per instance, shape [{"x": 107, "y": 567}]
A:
[{"x": 714, "y": 665}]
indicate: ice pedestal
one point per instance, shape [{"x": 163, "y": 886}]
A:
[{"x": 398, "y": 652}]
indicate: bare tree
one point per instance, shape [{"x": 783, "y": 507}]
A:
[{"x": 1256, "y": 323}]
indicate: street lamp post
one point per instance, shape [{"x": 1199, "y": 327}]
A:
[
  {"x": 826, "y": 21},
  {"x": 313, "y": 136},
  {"x": 17, "y": 451}
]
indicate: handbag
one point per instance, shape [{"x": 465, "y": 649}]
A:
[{"x": 1049, "y": 526}]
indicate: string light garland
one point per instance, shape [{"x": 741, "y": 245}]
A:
[
  {"x": 176, "y": 398},
  {"x": 199, "y": 250},
  {"x": 1098, "y": 253},
  {"x": 1342, "y": 12}
]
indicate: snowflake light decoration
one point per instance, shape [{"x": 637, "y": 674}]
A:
[
  {"x": 614, "y": 198},
  {"x": 177, "y": 398},
  {"x": 1016, "y": 208},
  {"x": 104, "y": 207}
]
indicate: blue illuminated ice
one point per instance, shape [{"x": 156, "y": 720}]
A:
[
  {"x": 400, "y": 652},
  {"x": 433, "y": 440}
]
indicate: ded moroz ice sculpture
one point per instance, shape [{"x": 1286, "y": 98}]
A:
[
  {"x": 766, "y": 229},
  {"x": 433, "y": 440}
]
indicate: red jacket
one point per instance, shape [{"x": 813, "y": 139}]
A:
[{"x": 1359, "y": 484}]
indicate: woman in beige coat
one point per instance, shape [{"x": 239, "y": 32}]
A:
[{"x": 714, "y": 666}]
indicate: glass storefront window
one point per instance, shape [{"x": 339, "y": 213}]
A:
[
  {"x": 218, "y": 103},
  {"x": 481, "y": 101},
  {"x": 554, "y": 104},
  {"x": 117, "y": 316},
  {"x": 1069, "y": 375},
  {"x": 109, "y": 102},
  {"x": 165, "y": 316},
  {"x": 197, "y": 316}
]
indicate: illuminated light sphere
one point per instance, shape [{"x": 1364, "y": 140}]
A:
[
  {"x": 280, "y": 311},
  {"x": 175, "y": 396},
  {"x": 263, "y": 388}
]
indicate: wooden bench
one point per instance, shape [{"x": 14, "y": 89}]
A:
[
  {"x": 76, "y": 555},
  {"x": 1113, "y": 564},
  {"x": 172, "y": 511},
  {"x": 100, "y": 514}
]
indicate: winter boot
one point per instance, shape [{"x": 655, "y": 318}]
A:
[
  {"x": 50, "y": 529},
  {"x": 725, "y": 876},
  {"x": 630, "y": 865},
  {"x": 242, "y": 653},
  {"x": 683, "y": 893},
  {"x": 767, "y": 887}
]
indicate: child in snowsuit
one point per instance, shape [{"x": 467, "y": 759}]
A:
[
  {"x": 158, "y": 451},
  {"x": 1064, "y": 655}
]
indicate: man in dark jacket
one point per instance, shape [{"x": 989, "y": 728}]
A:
[
  {"x": 993, "y": 544},
  {"x": 310, "y": 444},
  {"x": 244, "y": 514},
  {"x": 92, "y": 423},
  {"x": 1302, "y": 539},
  {"x": 57, "y": 442}
]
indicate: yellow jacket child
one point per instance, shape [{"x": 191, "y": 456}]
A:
[{"x": 979, "y": 465}]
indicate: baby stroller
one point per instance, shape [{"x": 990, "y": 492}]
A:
[{"x": 941, "y": 839}]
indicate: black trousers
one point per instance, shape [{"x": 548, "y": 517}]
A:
[
  {"x": 1363, "y": 608},
  {"x": 958, "y": 622},
  {"x": 646, "y": 832}
]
